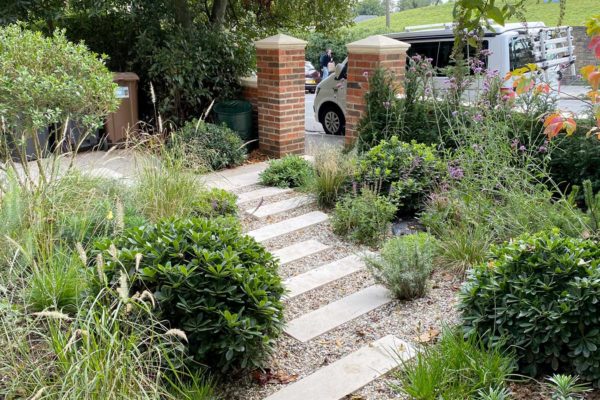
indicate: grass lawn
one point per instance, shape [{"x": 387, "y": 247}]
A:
[{"x": 536, "y": 10}]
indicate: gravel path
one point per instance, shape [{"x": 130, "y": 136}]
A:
[{"x": 294, "y": 360}]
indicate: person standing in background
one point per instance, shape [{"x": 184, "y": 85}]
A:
[{"x": 325, "y": 59}]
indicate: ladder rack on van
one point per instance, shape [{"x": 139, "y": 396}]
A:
[
  {"x": 430, "y": 27},
  {"x": 554, "y": 46}
]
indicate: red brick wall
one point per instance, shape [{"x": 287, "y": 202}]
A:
[
  {"x": 360, "y": 67},
  {"x": 280, "y": 97},
  {"x": 251, "y": 94}
]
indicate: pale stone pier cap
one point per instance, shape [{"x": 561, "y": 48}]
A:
[
  {"x": 377, "y": 44},
  {"x": 280, "y": 42}
]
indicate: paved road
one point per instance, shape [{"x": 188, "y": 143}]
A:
[
  {"x": 568, "y": 102},
  {"x": 312, "y": 126}
]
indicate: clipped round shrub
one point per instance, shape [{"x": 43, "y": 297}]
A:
[
  {"x": 406, "y": 172},
  {"x": 363, "y": 219},
  {"x": 539, "y": 294},
  {"x": 208, "y": 146},
  {"x": 290, "y": 171},
  {"x": 404, "y": 265},
  {"x": 217, "y": 285}
]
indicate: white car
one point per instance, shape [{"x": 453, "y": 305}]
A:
[{"x": 510, "y": 47}]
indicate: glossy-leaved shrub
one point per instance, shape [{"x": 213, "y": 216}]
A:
[
  {"x": 206, "y": 146},
  {"x": 364, "y": 218},
  {"x": 217, "y": 285},
  {"x": 539, "y": 294},
  {"x": 404, "y": 265},
  {"x": 405, "y": 172},
  {"x": 290, "y": 171}
]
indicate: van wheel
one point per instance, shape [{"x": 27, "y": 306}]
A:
[{"x": 333, "y": 121}]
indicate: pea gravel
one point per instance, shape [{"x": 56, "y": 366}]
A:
[{"x": 294, "y": 360}]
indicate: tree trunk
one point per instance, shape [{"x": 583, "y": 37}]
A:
[
  {"x": 182, "y": 14},
  {"x": 217, "y": 15}
]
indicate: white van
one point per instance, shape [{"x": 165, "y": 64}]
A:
[{"x": 511, "y": 46}]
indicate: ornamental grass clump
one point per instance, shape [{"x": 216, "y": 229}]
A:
[
  {"x": 333, "y": 172},
  {"x": 538, "y": 295},
  {"x": 454, "y": 368}
]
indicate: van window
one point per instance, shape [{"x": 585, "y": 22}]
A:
[
  {"x": 425, "y": 49},
  {"x": 447, "y": 47},
  {"x": 520, "y": 53},
  {"x": 440, "y": 52}
]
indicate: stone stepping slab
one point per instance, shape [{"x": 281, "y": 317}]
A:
[
  {"x": 267, "y": 210},
  {"x": 350, "y": 373},
  {"x": 260, "y": 193},
  {"x": 323, "y": 275},
  {"x": 234, "y": 181},
  {"x": 337, "y": 313},
  {"x": 299, "y": 250},
  {"x": 287, "y": 226}
]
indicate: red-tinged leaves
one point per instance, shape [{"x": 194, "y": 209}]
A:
[
  {"x": 595, "y": 46},
  {"x": 594, "y": 79},
  {"x": 591, "y": 73},
  {"x": 556, "y": 123},
  {"x": 542, "y": 88},
  {"x": 523, "y": 85}
]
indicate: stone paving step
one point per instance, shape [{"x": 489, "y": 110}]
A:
[
  {"x": 350, "y": 373},
  {"x": 299, "y": 250},
  {"x": 326, "y": 318},
  {"x": 234, "y": 181},
  {"x": 260, "y": 193},
  {"x": 267, "y": 210},
  {"x": 323, "y": 275},
  {"x": 287, "y": 226}
]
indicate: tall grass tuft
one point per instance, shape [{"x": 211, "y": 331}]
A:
[
  {"x": 166, "y": 189},
  {"x": 453, "y": 368},
  {"x": 58, "y": 282},
  {"x": 109, "y": 349},
  {"x": 332, "y": 176}
]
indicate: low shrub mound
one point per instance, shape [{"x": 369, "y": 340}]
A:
[
  {"x": 218, "y": 286},
  {"x": 211, "y": 146},
  {"x": 539, "y": 294},
  {"x": 405, "y": 172},
  {"x": 215, "y": 203},
  {"x": 363, "y": 219},
  {"x": 405, "y": 265},
  {"x": 290, "y": 171}
]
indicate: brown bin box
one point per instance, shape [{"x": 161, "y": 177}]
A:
[{"x": 123, "y": 121}]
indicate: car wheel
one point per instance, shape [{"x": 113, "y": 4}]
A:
[{"x": 333, "y": 121}]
